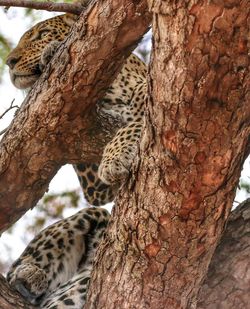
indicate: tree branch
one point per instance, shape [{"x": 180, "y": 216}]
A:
[
  {"x": 8, "y": 109},
  {"x": 5, "y": 112},
  {"x": 227, "y": 282},
  {"x": 57, "y": 123},
  {"x": 11, "y": 299},
  {"x": 74, "y": 8}
]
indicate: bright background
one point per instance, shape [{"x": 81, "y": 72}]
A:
[{"x": 13, "y": 25}]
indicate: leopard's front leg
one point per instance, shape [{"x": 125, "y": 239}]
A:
[{"x": 119, "y": 154}]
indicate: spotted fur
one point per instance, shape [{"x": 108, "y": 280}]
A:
[{"x": 55, "y": 268}]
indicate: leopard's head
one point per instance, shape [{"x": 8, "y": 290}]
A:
[{"x": 24, "y": 60}]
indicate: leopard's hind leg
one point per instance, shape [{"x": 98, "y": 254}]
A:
[{"x": 54, "y": 256}]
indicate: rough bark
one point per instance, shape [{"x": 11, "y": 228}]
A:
[
  {"x": 169, "y": 217},
  {"x": 57, "y": 123},
  {"x": 227, "y": 284},
  {"x": 10, "y": 299}
]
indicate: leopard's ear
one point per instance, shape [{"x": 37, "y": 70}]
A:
[
  {"x": 69, "y": 19},
  {"x": 84, "y": 3}
]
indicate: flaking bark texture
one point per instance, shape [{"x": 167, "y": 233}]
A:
[
  {"x": 57, "y": 123},
  {"x": 170, "y": 216},
  {"x": 227, "y": 284}
]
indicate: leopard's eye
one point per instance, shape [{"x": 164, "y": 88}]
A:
[{"x": 43, "y": 34}]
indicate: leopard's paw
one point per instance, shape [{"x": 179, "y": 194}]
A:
[
  {"x": 113, "y": 171},
  {"x": 47, "y": 54},
  {"x": 30, "y": 281}
]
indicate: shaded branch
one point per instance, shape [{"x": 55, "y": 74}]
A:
[
  {"x": 227, "y": 282},
  {"x": 74, "y": 8}
]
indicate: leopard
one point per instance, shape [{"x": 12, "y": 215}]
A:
[
  {"x": 54, "y": 270},
  {"x": 124, "y": 100}
]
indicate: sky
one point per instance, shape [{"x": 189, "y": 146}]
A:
[{"x": 13, "y": 25}]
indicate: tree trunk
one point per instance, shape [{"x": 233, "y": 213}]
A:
[
  {"x": 58, "y": 123},
  {"x": 227, "y": 285},
  {"x": 170, "y": 216}
]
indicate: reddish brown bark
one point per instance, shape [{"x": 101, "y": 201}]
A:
[
  {"x": 58, "y": 123},
  {"x": 169, "y": 218}
]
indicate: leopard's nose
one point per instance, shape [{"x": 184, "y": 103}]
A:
[{"x": 12, "y": 61}]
